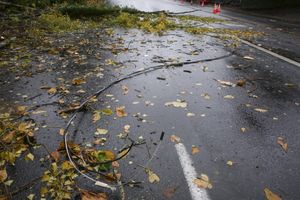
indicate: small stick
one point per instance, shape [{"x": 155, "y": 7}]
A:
[
  {"x": 149, "y": 154},
  {"x": 33, "y": 97}
]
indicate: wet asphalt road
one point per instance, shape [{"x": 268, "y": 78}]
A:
[{"x": 258, "y": 161}]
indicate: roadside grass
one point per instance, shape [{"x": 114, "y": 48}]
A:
[
  {"x": 152, "y": 23},
  {"x": 94, "y": 14},
  {"x": 224, "y": 33},
  {"x": 57, "y": 22},
  {"x": 206, "y": 20}
]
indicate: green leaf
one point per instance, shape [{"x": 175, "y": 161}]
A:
[{"x": 106, "y": 111}]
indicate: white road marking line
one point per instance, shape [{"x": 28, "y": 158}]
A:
[
  {"x": 190, "y": 173},
  {"x": 293, "y": 62}
]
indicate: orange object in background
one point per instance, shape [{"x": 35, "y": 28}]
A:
[
  {"x": 219, "y": 9},
  {"x": 202, "y": 2},
  {"x": 215, "y": 9}
]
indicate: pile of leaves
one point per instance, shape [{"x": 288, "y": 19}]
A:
[
  {"x": 57, "y": 22},
  {"x": 150, "y": 23},
  {"x": 15, "y": 140},
  {"x": 59, "y": 181}
]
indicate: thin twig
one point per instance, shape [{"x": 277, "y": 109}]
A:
[
  {"x": 8, "y": 194},
  {"x": 41, "y": 105},
  {"x": 33, "y": 97},
  {"x": 122, "y": 191},
  {"x": 148, "y": 151}
]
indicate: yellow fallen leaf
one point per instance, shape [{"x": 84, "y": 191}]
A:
[
  {"x": 270, "y": 195},
  {"x": 152, "y": 177},
  {"x": 243, "y": 129},
  {"x": 126, "y": 128},
  {"x": 195, "y": 150},
  {"x": 261, "y": 110},
  {"x": 190, "y": 114},
  {"x": 206, "y": 96},
  {"x": 200, "y": 183},
  {"x": 109, "y": 155},
  {"x": 96, "y": 116},
  {"x": 228, "y": 97},
  {"x": 74, "y": 147},
  {"x": 203, "y": 182},
  {"x": 227, "y": 83},
  {"x": 229, "y": 162},
  {"x": 43, "y": 191},
  {"x": 29, "y": 156},
  {"x": 38, "y": 112},
  {"x": 174, "y": 138},
  {"x": 7, "y": 138},
  {"x": 77, "y": 81},
  {"x": 177, "y": 104},
  {"x": 23, "y": 127},
  {"x": 30, "y": 197},
  {"x": 125, "y": 89},
  {"x": 241, "y": 82},
  {"x": 3, "y": 175},
  {"x": 248, "y": 58},
  {"x": 97, "y": 141},
  {"x": 61, "y": 101},
  {"x": 110, "y": 62},
  {"x": 282, "y": 143},
  {"x": 106, "y": 111},
  {"x": 123, "y": 153},
  {"x": 21, "y": 108},
  {"x": 46, "y": 177},
  {"x": 120, "y": 111},
  {"x": 101, "y": 131},
  {"x": 52, "y": 90},
  {"x": 62, "y": 131},
  {"x": 66, "y": 165},
  {"x": 8, "y": 183},
  {"x": 81, "y": 91},
  {"x": 93, "y": 99}
]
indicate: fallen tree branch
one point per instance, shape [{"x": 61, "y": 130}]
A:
[
  {"x": 16, "y": 5},
  {"x": 96, "y": 94}
]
